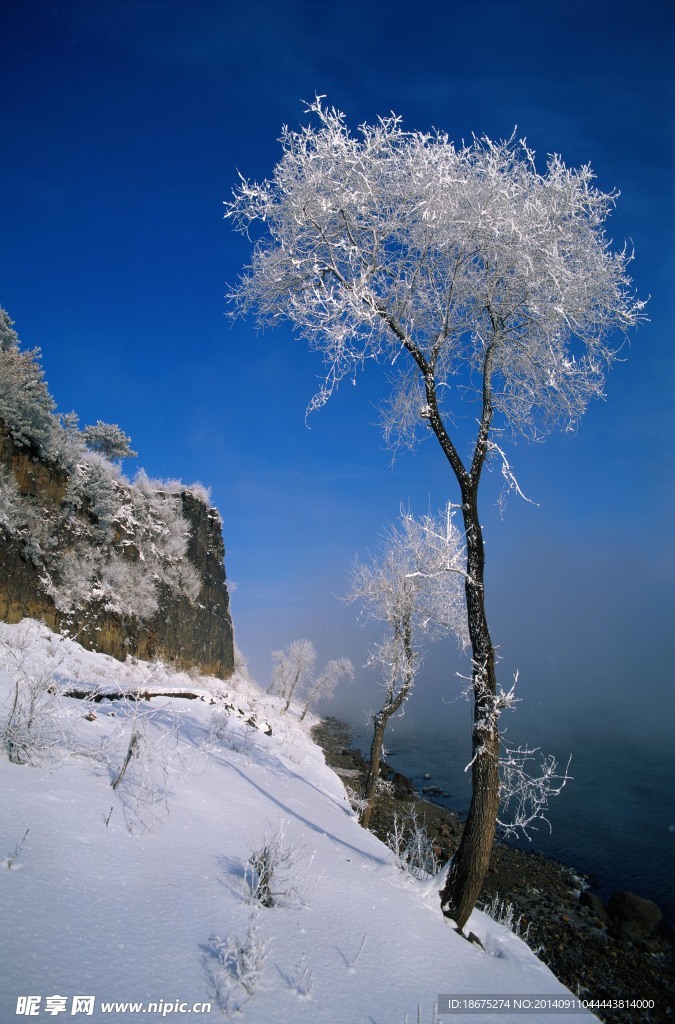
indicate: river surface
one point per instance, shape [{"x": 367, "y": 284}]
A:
[{"x": 614, "y": 820}]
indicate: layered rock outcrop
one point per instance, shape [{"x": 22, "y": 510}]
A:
[{"x": 184, "y": 630}]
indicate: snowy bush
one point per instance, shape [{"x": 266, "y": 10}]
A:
[
  {"x": 117, "y": 546},
  {"x": 12, "y": 507},
  {"x": 385, "y": 787},
  {"x": 86, "y": 576},
  {"x": 199, "y": 491},
  {"x": 300, "y": 979},
  {"x": 412, "y": 846},
  {"x": 38, "y": 726},
  {"x": 356, "y": 803},
  {"x": 145, "y": 756},
  {"x": 234, "y": 966},
  {"x": 172, "y": 486},
  {"x": 271, "y": 872},
  {"x": 504, "y": 913},
  {"x": 235, "y": 734}
]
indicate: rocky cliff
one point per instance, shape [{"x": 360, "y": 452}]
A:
[{"x": 40, "y": 522}]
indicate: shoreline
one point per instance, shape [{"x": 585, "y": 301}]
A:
[{"x": 570, "y": 931}]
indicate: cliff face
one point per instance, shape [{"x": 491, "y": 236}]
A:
[
  {"x": 200, "y": 633},
  {"x": 182, "y": 631}
]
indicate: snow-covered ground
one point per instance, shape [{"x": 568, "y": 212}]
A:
[{"x": 141, "y": 894}]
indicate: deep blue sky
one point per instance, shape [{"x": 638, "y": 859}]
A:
[{"x": 123, "y": 125}]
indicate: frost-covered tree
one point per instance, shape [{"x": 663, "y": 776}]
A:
[
  {"x": 414, "y": 588},
  {"x": 323, "y": 687},
  {"x": 485, "y": 284},
  {"x": 26, "y": 405},
  {"x": 109, "y": 440},
  {"x": 292, "y": 669},
  {"x": 8, "y": 337},
  {"x": 293, "y": 675}
]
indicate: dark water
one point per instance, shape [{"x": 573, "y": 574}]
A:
[{"x": 615, "y": 821}]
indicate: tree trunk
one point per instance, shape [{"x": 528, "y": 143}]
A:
[
  {"x": 380, "y": 724},
  {"x": 471, "y": 860},
  {"x": 402, "y": 633}
]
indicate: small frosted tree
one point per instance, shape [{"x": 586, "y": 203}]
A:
[
  {"x": 293, "y": 675},
  {"x": 9, "y": 340},
  {"x": 109, "y": 440},
  {"x": 486, "y": 284},
  {"x": 323, "y": 687},
  {"x": 292, "y": 669},
  {"x": 26, "y": 405},
  {"x": 414, "y": 588}
]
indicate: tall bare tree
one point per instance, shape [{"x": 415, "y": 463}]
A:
[{"x": 486, "y": 284}]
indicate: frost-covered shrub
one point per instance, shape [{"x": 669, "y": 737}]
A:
[
  {"x": 124, "y": 550},
  {"x": 87, "y": 575},
  {"x": 271, "y": 872},
  {"x": 201, "y": 492},
  {"x": 12, "y": 514},
  {"x": 356, "y": 802},
  {"x": 385, "y": 788},
  {"x": 147, "y": 758},
  {"x": 23, "y": 519},
  {"x": 152, "y": 485},
  {"x": 162, "y": 534},
  {"x": 172, "y": 486},
  {"x": 234, "y": 966},
  {"x": 412, "y": 846},
  {"x": 504, "y": 913},
  {"x": 37, "y": 724}
]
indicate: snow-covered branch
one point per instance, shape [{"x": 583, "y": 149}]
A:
[
  {"x": 524, "y": 796},
  {"x": 418, "y": 575}
]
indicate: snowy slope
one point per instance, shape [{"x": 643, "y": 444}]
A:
[{"x": 130, "y": 894}]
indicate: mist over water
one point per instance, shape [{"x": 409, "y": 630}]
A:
[
  {"x": 590, "y": 655},
  {"x": 613, "y": 821}
]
